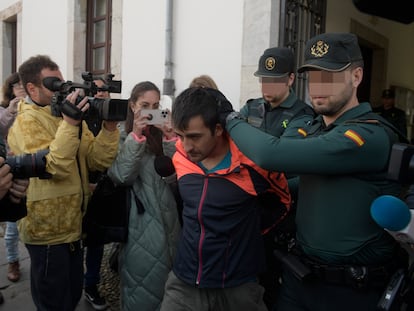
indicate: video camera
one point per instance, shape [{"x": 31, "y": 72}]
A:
[
  {"x": 401, "y": 165},
  {"x": 27, "y": 165},
  {"x": 103, "y": 108}
]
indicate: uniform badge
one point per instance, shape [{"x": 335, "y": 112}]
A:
[
  {"x": 270, "y": 63},
  {"x": 319, "y": 49}
]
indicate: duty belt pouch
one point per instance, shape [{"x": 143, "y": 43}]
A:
[{"x": 300, "y": 270}]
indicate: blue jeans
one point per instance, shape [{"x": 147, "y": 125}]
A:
[
  {"x": 11, "y": 239},
  {"x": 93, "y": 262}
]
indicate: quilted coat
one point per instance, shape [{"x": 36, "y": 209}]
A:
[{"x": 147, "y": 257}]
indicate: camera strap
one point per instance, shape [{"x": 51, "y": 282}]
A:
[{"x": 78, "y": 163}]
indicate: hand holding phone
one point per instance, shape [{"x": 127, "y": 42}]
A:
[{"x": 156, "y": 116}]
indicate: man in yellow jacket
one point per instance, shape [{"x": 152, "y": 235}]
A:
[{"x": 52, "y": 228}]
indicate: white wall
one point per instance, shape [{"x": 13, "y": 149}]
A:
[
  {"x": 4, "y": 4},
  {"x": 143, "y": 24},
  {"x": 209, "y": 37},
  {"x": 206, "y": 40},
  {"x": 209, "y": 41},
  {"x": 45, "y": 30},
  {"x": 258, "y": 35}
]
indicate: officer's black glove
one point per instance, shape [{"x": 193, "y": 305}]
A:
[{"x": 224, "y": 106}]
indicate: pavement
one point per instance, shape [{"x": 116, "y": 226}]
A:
[{"x": 17, "y": 296}]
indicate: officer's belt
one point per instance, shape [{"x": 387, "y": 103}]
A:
[{"x": 352, "y": 275}]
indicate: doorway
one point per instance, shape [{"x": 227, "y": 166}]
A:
[{"x": 374, "y": 47}]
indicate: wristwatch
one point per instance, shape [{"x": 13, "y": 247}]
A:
[{"x": 234, "y": 115}]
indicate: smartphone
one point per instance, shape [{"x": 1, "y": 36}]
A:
[{"x": 156, "y": 116}]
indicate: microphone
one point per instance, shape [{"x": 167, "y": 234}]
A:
[
  {"x": 53, "y": 84},
  {"x": 165, "y": 168},
  {"x": 394, "y": 215}
]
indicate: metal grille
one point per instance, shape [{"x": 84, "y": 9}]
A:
[{"x": 300, "y": 20}]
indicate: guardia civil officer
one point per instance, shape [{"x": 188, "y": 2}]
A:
[
  {"x": 342, "y": 162},
  {"x": 274, "y": 112},
  {"x": 391, "y": 113},
  {"x": 278, "y": 105}
]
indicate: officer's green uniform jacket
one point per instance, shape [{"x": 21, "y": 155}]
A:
[
  {"x": 342, "y": 170},
  {"x": 290, "y": 115},
  {"x": 275, "y": 120}
]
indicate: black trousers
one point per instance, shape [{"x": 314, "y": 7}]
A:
[
  {"x": 296, "y": 295},
  {"x": 56, "y": 276},
  {"x": 269, "y": 279}
]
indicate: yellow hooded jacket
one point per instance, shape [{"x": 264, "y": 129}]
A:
[{"x": 55, "y": 206}]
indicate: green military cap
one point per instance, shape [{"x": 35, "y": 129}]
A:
[
  {"x": 275, "y": 62},
  {"x": 331, "y": 52},
  {"x": 388, "y": 93}
]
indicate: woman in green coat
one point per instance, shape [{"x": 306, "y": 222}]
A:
[{"x": 146, "y": 258}]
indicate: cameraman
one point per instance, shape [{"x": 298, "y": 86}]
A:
[
  {"x": 51, "y": 230},
  {"x": 12, "y": 194}
]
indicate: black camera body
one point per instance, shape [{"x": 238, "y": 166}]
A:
[
  {"x": 27, "y": 165},
  {"x": 102, "y": 108}
]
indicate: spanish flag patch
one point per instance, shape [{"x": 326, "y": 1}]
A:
[
  {"x": 302, "y": 132},
  {"x": 355, "y": 137}
]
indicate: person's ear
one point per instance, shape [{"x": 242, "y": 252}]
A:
[
  {"x": 31, "y": 89},
  {"x": 356, "y": 75},
  {"x": 133, "y": 106},
  {"x": 291, "y": 79},
  {"x": 219, "y": 130}
]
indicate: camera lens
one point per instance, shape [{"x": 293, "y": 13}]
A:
[{"x": 29, "y": 165}]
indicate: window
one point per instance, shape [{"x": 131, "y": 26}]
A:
[
  {"x": 9, "y": 45},
  {"x": 98, "y": 37}
]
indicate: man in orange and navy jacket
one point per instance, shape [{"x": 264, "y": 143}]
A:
[{"x": 220, "y": 251}]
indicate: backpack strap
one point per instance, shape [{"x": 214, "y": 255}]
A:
[{"x": 373, "y": 118}]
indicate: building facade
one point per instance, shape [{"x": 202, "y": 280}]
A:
[{"x": 171, "y": 41}]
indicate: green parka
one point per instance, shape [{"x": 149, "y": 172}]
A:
[{"x": 147, "y": 257}]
